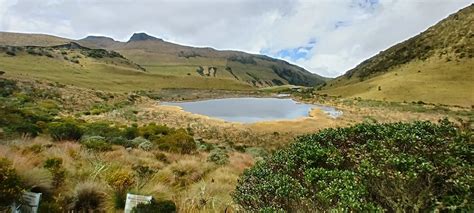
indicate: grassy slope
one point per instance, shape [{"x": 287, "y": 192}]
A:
[
  {"x": 97, "y": 74},
  {"x": 167, "y": 58},
  {"x": 435, "y": 66},
  {"x": 437, "y": 82},
  {"x": 22, "y": 39}
]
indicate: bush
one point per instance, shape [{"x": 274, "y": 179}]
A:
[
  {"x": 150, "y": 130},
  {"x": 130, "y": 132},
  {"x": 165, "y": 206},
  {"x": 89, "y": 197},
  {"x": 121, "y": 141},
  {"x": 218, "y": 156},
  {"x": 396, "y": 167},
  {"x": 96, "y": 143},
  {"x": 120, "y": 181},
  {"x": 179, "y": 141},
  {"x": 146, "y": 146},
  {"x": 139, "y": 140},
  {"x": 103, "y": 129},
  {"x": 54, "y": 165},
  {"x": 10, "y": 184},
  {"x": 65, "y": 130}
]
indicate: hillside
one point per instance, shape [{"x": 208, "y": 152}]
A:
[
  {"x": 159, "y": 56},
  {"x": 189, "y": 67},
  {"x": 80, "y": 66},
  {"x": 435, "y": 66}
]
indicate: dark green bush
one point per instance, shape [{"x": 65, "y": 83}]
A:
[
  {"x": 10, "y": 184},
  {"x": 397, "y": 167},
  {"x": 151, "y": 130},
  {"x": 54, "y": 165},
  {"x": 218, "y": 156},
  {"x": 96, "y": 143},
  {"x": 65, "y": 130},
  {"x": 179, "y": 141},
  {"x": 165, "y": 206},
  {"x": 104, "y": 129}
]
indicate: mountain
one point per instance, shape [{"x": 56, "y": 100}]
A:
[
  {"x": 74, "y": 64},
  {"x": 23, "y": 39},
  {"x": 159, "y": 56},
  {"x": 203, "y": 65},
  {"x": 435, "y": 66}
]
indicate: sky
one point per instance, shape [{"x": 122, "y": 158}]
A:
[{"x": 327, "y": 37}]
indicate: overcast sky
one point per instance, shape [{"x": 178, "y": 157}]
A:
[{"x": 327, "y": 37}]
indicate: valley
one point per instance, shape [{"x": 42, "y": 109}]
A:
[{"x": 85, "y": 122}]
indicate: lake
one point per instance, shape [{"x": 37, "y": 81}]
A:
[{"x": 250, "y": 110}]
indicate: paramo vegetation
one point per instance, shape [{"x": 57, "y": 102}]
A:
[{"x": 398, "y": 167}]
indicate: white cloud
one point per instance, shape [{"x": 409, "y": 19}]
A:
[{"x": 346, "y": 31}]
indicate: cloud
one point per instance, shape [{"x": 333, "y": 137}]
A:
[{"x": 327, "y": 37}]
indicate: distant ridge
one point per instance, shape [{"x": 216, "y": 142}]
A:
[
  {"x": 143, "y": 37},
  {"x": 168, "y": 59}
]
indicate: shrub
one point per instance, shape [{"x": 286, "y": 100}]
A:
[
  {"x": 179, "y": 141},
  {"x": 10, "y": 184},
  {"x": 54, "y": 165},
  {"x": 146, "y": 146},
  {"x": 396, "y": 167},
  {"x": 65, "y": 130},
  {"x": 130, "y": 132},
  {"x": 165, "y": 206},
  {"x": 150, "y": 130},
  {"x": 96, "y": 143},
  {"x": 103, "y": 129},
  {"x": 139, "y": 140},
  {"x": 120, "y": 181},
  {"x": 89, "y": 197},
  {"x": 218, "y": 156},
  {"x": 121, "y": 141}
]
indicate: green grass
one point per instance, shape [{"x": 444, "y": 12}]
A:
[
  {"x": 96, "y": 74},
  {"x": 431, "y": 81}
]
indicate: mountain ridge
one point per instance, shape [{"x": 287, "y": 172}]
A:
[
  {"x": 435, "y": 66},
  {"x": 166, "y": 58}
]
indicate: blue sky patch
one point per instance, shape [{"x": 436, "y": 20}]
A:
[{"x": 302, "y": 52}]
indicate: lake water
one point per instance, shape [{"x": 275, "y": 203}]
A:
[{"x": 250, "y": 110}]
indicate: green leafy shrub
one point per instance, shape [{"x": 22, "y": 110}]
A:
[
  {"x": 96, "y": 143},
  {"x": 146, "y": 146},
  {"x": 104, "y": 129},
  {"x": 65, "y": 130},
  {"x": 120, "y": 181},
  {"x": 10, "y": 184},
  {"x": 152, "y": 130},
  {"x": 121, "y": 141},
  {"x": 54, "y": 165},
  {"x": 396, "y": 167},
  {"x": 131, "y": 132},
  {"x": 218, "y": 156},
  {"x": 164, "y": 206},
  {"x": 139, "y": 140},
  {"x": 179, "y": 141}
]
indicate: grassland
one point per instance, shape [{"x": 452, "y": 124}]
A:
[
  {"x": 435, "y": 66},
  {"x": 97, "y": 74},
  {"x": 432, "y": 81}
]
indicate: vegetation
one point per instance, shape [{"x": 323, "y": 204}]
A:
[
  {"x": 396, "y": 167},
  {"x": 10, "y": 184},
  {"x": 434, "y": 66},
  {"x": 155, "y": 206}
]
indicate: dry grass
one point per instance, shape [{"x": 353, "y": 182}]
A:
[
  {"x": 431, "y": 81},
  {"x": 186, "y": 180}
]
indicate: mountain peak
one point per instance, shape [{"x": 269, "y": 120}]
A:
[
  {"x": 93, "y": 37},
  {"x": 143, "y": 37}
]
